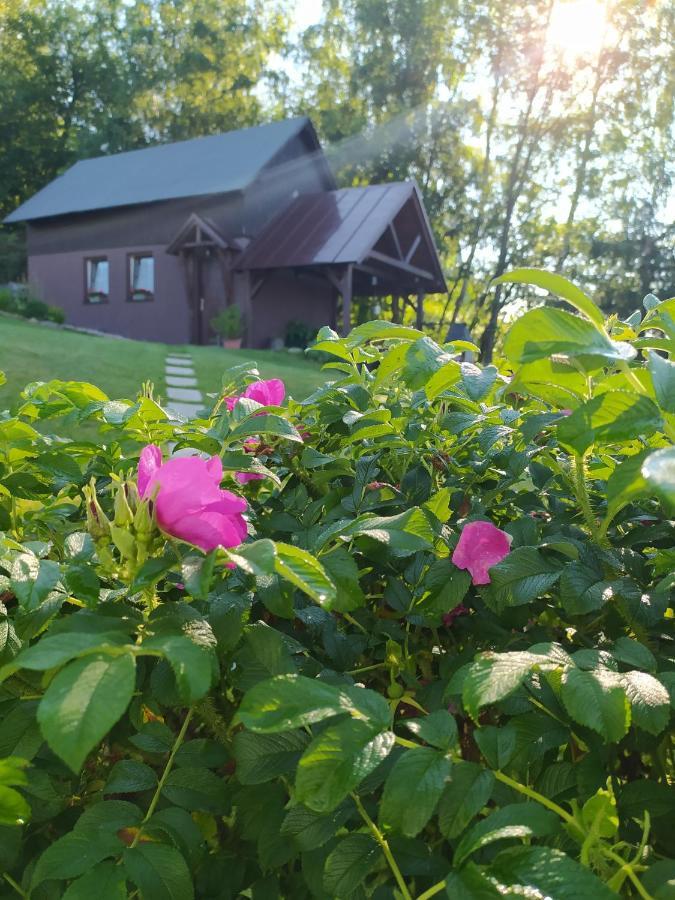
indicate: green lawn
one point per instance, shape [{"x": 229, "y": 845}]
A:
[{"x": 33, "y": 352}]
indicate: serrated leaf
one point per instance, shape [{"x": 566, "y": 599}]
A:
[
  {"x": 420, "y": 776},
  {"x": 106, "y": 881},
  {"x": 609, "y": 418},
  {"x": 658, "y": 470},
  {"x": 337, "y": 760},
  {"x": 517, "y": 820},
  {"x": 550, "y": 872},
  {"x": 196, "y": 789},
  {"x": 74, "y": 854},
  {"x": 468, "y": 790},
  {"x": 349, "y": 863},
  {"x": 306, "y": 573},
  {"x": 261, "y": 757},
  {"x": 649, "y": 700},
  {"x": 597, "y": 700},
  {"x": 129, "y": 776},
  {"x": 495, "y": 676},
  {"x": 522, "y": 576},
  {"x": 83, "y": 702},
  {"x": 288, "y": 702},
  {"x": 663, "y": 378},
  {"x": 438, "y": 729},
  {"x": 159, "y": 872}
]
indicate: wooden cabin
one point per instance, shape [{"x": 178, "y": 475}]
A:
[{"x": 153, "y": 243}]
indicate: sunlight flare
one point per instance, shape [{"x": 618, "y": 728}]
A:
[{"x": 578, "y": 27}]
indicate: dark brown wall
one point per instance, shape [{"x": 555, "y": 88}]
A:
[
  {"x": 59, "y": 279},
  {"x": 285, "y": 297}
]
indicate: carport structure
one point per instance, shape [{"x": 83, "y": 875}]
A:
[{"x": 372, "y": 241}]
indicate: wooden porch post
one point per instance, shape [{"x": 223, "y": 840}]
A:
[
  {"x": 420, "y": 312},
  {"x": 242, "y": 297},
  {"x": 395, "y": 309},
  {"x": 346, "y": 291}
]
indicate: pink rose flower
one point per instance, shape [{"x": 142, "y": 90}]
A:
[
  {"x": 481, "y": 545},
  {"x": 190, "y": 504},
  {"x": 245, "y": 477},
  {"x": 267, "y": 393},
  {"x": 455, "y": 613}
]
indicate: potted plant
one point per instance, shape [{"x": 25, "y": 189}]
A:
[{"x": 229, "y": 324}]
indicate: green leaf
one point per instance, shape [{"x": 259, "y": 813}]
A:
[
  {"x": 468, "y": 790},
  {"x": 190, "y": 657},
  {"x": 265, "y": 423},
  {"x": 583, "y": 589},
  {"x": 337, "y": 760},
  {"x": 74, "y": 854},
  {"x": 83, "y": 583},
  {"x": 663, "y": 378},
  {"x": 288, "y": 702},
  {"x": 403, "y": 534},
  {"x": 478, "y": 382},
  {"x": 626, "y": 483},
  {"x": 32, "y": 579},
  {"x": 438, "y": 729},
  {"x": 649, "y": 700},
  {"x": 310, "y": 829},
  {"x": 159, "y": 872},
  {"x": 152, "y": 570},
  {"x": 349, "y": 863},
  {"x": 550, "y": 872},
  {"x": 471, "y": 883},
  {"x": 422, "y": 360},
  {"x": 196, "y": 789},
  {"x": 517, "y": 820},
  {"x": 256, "y": 559},
  {"x": 344, "y": 573},
  {"x": 497, "y": 744},
  {"x": 128, "y": 776},
  {"x": 14, "y": 810},
  {"x": 543, "y": 332},
  {"x": 442, "y": 379},
  {"x": 633, "y": 653},
  {"x": 55, "y": 649},
  {"x": 83, "y": 702},
  {"x": 494, "y": 676},
  {"x": 598, "y": 701},
  {"x": 197, "y": 574},
  {"x": 609, "y": 418},
  {"x": 555, "y": 381},
  {"x": 261, "y": 757},
  {"x": 306, "y": 573},
  {"x": 380, "y": 331},
  {"x": 522, "y": 576},
  {"x": 559, "y": 286},
  {"x": 658, "y": 470},
  {"x": 413, "y": 789},
  {"x": 105, "y": 881}
]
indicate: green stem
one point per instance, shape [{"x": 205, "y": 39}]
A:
[
  {"x": 366, "y": 669},
  {"x": 628, "y": 869},
  {"x": 17, "y": 887},
  {"x": 539, "y": 798},
  {"x": 165, "y": 774},
  {"x": 433, "y": 890},
  {"x": 384, "y": 846},
  {"x": 352, "y": 621}
]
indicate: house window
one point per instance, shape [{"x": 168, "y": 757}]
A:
[
  {"x": 141, "y": 278},
  {"x": 97, "y": 275}
]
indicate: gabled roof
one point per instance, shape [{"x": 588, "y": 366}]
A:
[
  {"x": 197, "y": 231},
  {"x": 380, "y": 228},
  {"x": 215, "y": 164}
]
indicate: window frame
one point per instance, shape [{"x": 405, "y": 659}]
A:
[
  {"x": 150, "y": 295},
  {"x": 105, "y": 298}
]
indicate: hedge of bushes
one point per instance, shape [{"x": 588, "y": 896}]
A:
[
  {"x": 411, "y": 637},
  {"x": 21, "y": 303}
]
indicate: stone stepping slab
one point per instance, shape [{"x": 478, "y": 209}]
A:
[
  {"x": 180, "y": 381},
  {"x": 182, "y": 363},
  {"x": 190, "y": 395},
  {"x": 182, "y": 372}
]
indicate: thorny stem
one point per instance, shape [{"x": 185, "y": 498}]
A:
[
  {"x": 165, "y": 774},
  {"x": 539, "y": 798},
  {"x": 582, "y": 496},
  {"x": 627, "y": 867},
  {"x": 384, "y": 846}
]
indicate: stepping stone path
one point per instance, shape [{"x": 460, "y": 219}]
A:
[{"x": 183, "y": 396}]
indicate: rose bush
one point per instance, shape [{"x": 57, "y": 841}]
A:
[{"x": 430, "y": 652}]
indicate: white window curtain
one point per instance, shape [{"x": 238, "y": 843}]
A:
[
  {"x": 98, "y": 276},
  {"x": 143, "y": 274}
]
